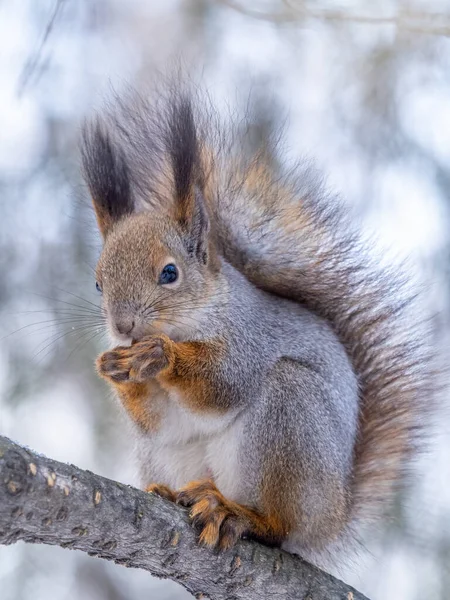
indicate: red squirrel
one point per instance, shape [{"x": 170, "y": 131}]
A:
[{"x": 277, "y": 380}]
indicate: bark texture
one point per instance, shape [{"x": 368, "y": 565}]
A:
[{"x": 48, "y": 502}]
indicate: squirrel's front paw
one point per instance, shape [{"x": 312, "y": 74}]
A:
[{"x": 140, "y": 362}]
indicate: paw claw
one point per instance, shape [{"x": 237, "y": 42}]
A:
[
  {"x": 161, "y": 490},
  {"x": 201, "y": 508},
  {"x": 124, "y": 376},
  {"x": 231, "y": 530},
  {"x": 182, "y": 500},
  {"x": 209, "y": 535}
]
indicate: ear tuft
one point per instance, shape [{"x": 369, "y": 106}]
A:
[
  {"x": 183, "y": 149},
  {"x": 107, "y": 175},
  {"x": 182, "y": 145}
]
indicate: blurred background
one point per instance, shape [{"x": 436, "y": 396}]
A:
[{"x": 362, "y": 87}]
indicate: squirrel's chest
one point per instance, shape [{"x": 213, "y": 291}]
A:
[
  {"x": 162, "y": 414},
  {"x": 185, "y": 445},
  {"x": 175, "y": 423}
]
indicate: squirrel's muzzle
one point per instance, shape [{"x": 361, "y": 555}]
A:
[{"x": 124, "y": 326}]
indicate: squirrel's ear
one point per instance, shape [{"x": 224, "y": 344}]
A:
[
  {"x": 107, "y": 175},
  {"x": 194, "y": 220}
]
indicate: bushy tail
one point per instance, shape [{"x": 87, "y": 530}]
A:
[{"x": 291, "y": 238}]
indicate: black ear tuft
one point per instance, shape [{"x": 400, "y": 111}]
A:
[
  {"x": 183, "y": 149},
  {"x": 107, "y": 175},
  {"x": 182, "y": 145}
]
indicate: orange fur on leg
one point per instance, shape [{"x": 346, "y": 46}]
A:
[
  {"x": 190, "y": 370},
  {"x": 222, "y": 522},
  {"x": 136, "y": 396}
]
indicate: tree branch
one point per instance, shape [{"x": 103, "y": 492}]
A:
[
  {"x": 426, "y": 23},
  {"x": 45, "y": 501}
]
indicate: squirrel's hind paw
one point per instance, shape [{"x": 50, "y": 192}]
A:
[{"x": 221, "y": 522}]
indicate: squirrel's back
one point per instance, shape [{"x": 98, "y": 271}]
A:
[{"x": 288, "y": 236}]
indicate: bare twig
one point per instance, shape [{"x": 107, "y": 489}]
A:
[
  {"x": 33, "y": 62},
  {"x": 412, "y": 22},
  {"x": 44, "y": 501}
]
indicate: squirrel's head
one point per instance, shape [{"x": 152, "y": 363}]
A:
[{"x": 157, "y": 272}]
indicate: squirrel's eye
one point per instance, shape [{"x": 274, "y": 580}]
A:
[
  {"x": 98, "y": 287},
  {"x": 168, "y": 275}
]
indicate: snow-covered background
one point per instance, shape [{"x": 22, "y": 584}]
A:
[{"x": 362, "y": 87}]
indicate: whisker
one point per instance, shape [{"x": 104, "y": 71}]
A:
[
  {"x": 78, "y": 297},
  {"x": 182, "y": 305},
  {"x": 49, "y": 350},
  {"x": 148, "y": 298},
  {"x": 58, "y": 311},
  {"x": 51, "y": 323},
  {"x": 55, "y": 338},
  {"x": 51, "y": 330},
  {"x": 84, "y": 343},
  {"x": 90, "y": 267},
  {"x": 192, "y": 301},
  {"x": 180, "y": 308},
  {"x": 85, "y": 308},
  {"x": 178, "y": 323}
]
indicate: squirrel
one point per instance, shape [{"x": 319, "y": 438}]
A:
[{"x": 277, "y": 379}]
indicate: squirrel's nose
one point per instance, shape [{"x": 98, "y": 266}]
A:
[{"x": 124, "y": 326}]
